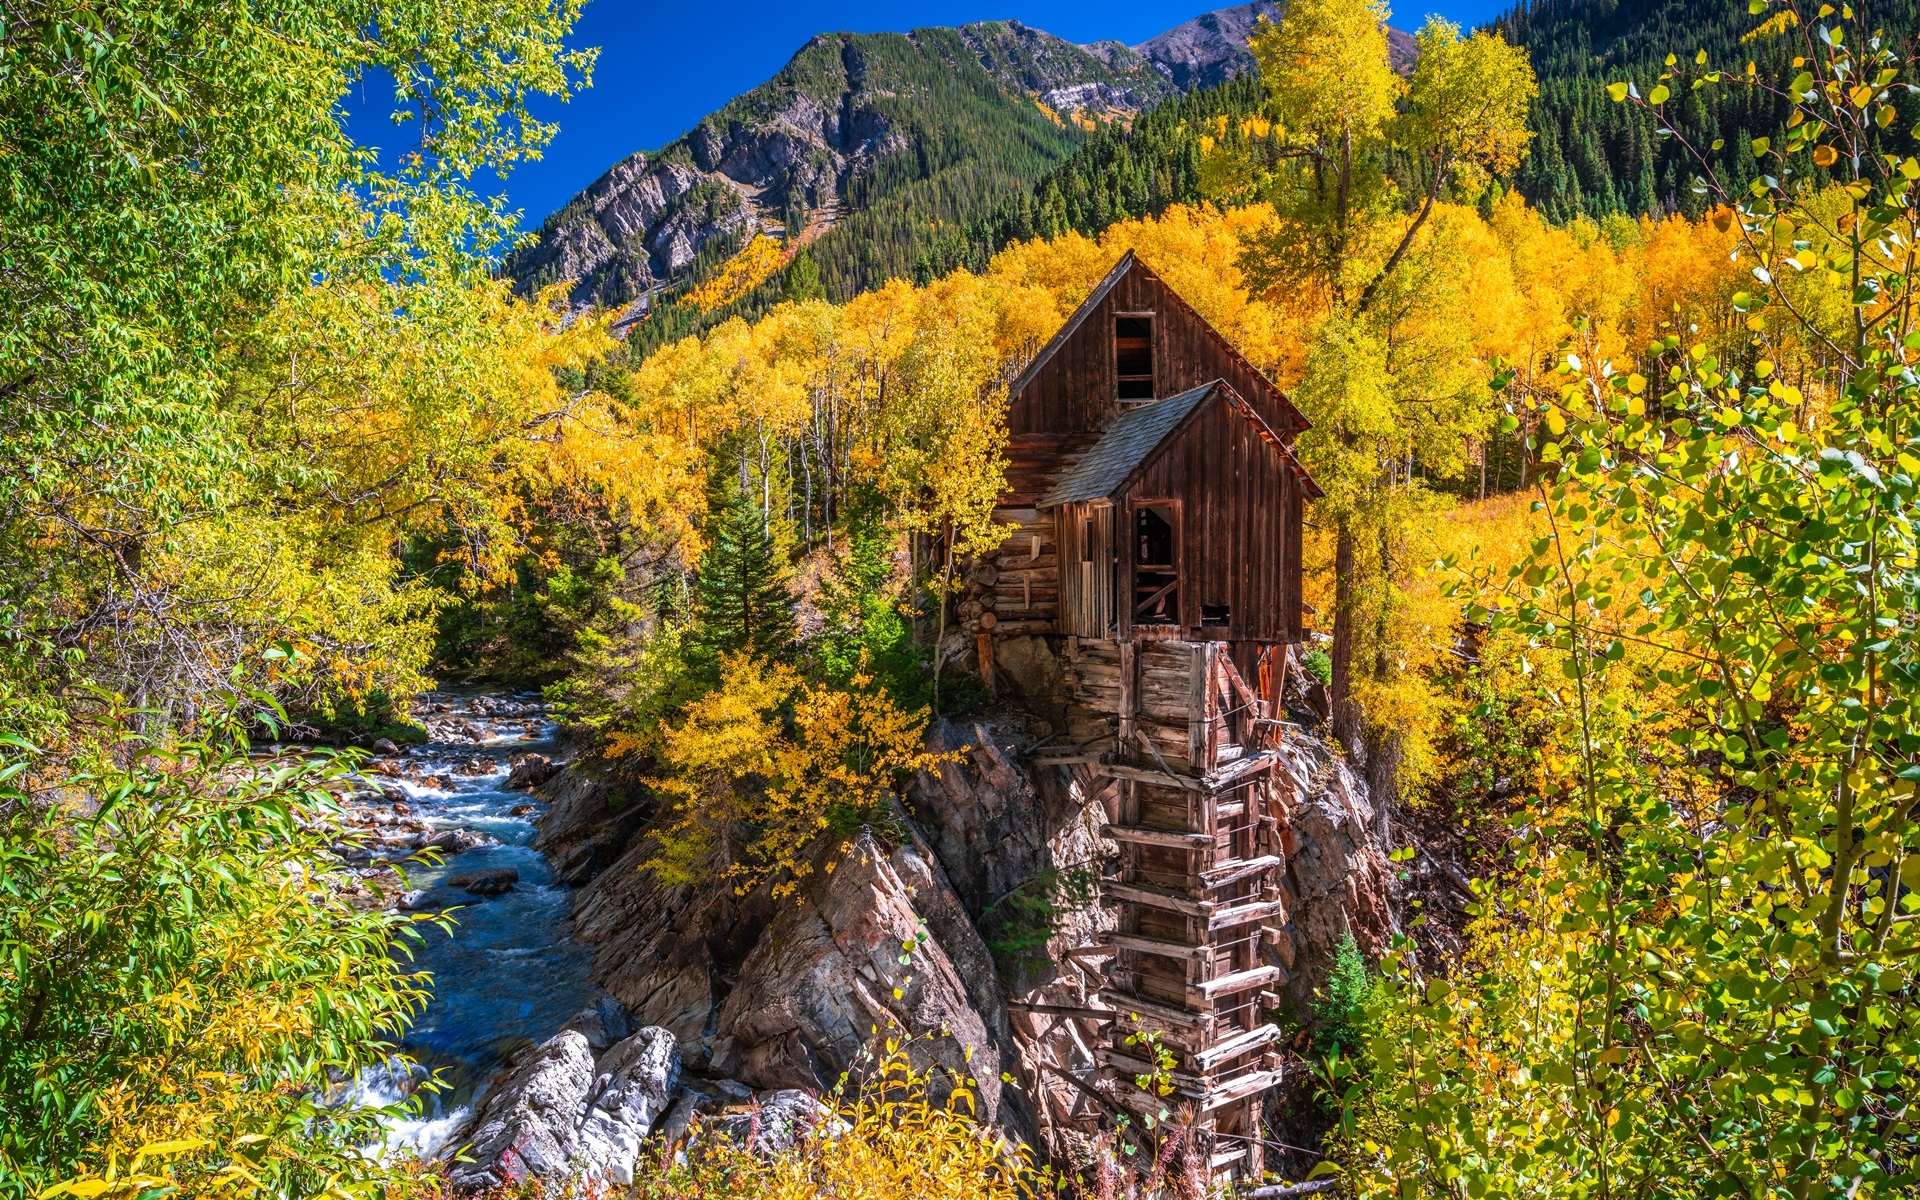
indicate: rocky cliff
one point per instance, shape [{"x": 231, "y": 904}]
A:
[{"x": 784, "y": 996}]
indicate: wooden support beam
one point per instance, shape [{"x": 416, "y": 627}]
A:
[
  {"x": 1149, "y": 775},
  {"x": 1233, "y": 1047},
  {"x": 1200, "y": 705},
  {"x": 1067, "y": 760},
  {"x": 1158, "y": 837},
  {"x": 1240, "y": 771},
  {"x": 1160, "y": 946},
  {"x": 1234, "y": 872},
  {"x": 1157, "y": 1012},
  {"x": 1242, "y": 1088},
  {"x": 1239, "y": 981},
  {"x": 1140, "y": 893},
  {"x": 1287, "y": 1191},
  {"x": 1061, "y": 1010},
  {"x": 1185, "y": 1083},
  {"x": 1245, "y": 914},
  {"x": 1129, "y": 690}
]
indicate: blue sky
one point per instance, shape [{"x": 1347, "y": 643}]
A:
[{"x": 663, "y": 66}]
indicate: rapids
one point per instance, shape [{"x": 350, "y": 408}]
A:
[{"x": 510, "y": 973}]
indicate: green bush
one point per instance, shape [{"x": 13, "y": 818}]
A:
[
  {"x": 179, "y": 985},
  {"x": 1316, "y": 663},
  {"x": 1341, "y": 1006}
]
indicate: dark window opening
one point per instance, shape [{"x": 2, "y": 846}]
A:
[
  {"x": 1215, "y": 614},
  {"x": 1156, "y": 577},
  {"x": 1133, "y": 356}
]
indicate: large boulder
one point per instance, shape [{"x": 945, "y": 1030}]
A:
[
  {"x": 531, "y": 772},
  {"x": 985, "y": 819},
  {"x": 591, "y": 817},
  {"x": 668, "y": 952},
  {"x": 851, "y": 963},
  {"x": 565, "y": 1115},
  {"x": 525, "y": 1128},
  {"x": 1337, "y": 883},
  {"x": 634, "y": 1084}
]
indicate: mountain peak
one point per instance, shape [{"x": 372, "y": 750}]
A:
[{"x": 1212, "y": 47}]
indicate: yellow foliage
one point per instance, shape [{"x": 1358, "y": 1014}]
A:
[
  {"x": 892, "y": 1141},
  {"x": 753, "y": 266},
  {"x": 755, "y": 786}
]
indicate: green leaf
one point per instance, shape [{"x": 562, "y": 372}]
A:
[
  {"x": 1617, "y": 91},
  {"x": 1659, "y": 94}
]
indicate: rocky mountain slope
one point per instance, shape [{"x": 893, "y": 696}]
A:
[
  {"x": 1212, "y": 48},
  {"x": 935, "y": 121}
]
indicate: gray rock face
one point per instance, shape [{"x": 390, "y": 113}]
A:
[
  {"x": 526, "y": 1127},
  {"x": 603, "y": 1023},
  {"x": 1212, "y": 48},
  {"x": 1339, "y": 883},
  {"x": 564, "y": 1115},
  {"x": 776, "y": 1120},
  {"x": 635, "y": 1082},
  {"x": 826, "y": 981},
  {"x": 590, "y": 820}
]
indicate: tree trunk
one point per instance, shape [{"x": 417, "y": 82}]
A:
[
  {"x": 1383, "y": 784},
  {"x": 1346, "y": 716}
]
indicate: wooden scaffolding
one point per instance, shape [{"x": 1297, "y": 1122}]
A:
[{"x": 1199, "y": 818}]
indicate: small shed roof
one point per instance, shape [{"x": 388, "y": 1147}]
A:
[
  {"x": 1124, "y": 447},
  {"x": 1121, "y": 451}
]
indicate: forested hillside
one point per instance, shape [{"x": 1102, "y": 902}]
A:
[
  {"x": 1593, "y": 157},
  {"x": 877, "y": 139}
]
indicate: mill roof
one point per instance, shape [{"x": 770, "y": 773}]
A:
[
  {"x": 1123, "y": 448},
  {"x": 1140, "y": 431}
]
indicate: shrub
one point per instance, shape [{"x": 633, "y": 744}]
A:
[
  {"x": 891, "y": 1141},
  {"x": 178, "y": 986}
]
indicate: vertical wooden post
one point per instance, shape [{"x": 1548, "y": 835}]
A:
[
  {"x": 1200, "y": 708},
  {"x": 985, "y": 642},
  {"x": 1129, "y": 691}
]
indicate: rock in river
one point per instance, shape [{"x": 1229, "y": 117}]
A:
[
  {"x": 492, "y": 881},
  {"x": 531, "y": 772},
  {"x": 458, "y": 841},
  {"x": 564, "y": 1115}
]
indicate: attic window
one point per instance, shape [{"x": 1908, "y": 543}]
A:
[{"x": 1133, "y": 356}]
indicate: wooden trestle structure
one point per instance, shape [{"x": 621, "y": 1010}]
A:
[{"x": 1201, "y": 804}]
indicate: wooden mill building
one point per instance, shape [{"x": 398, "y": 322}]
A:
[{"x": 1156, "y": 503}]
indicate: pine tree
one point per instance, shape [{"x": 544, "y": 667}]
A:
[
  {"x": 741, "y": 597},
  {"x": 803, "y": 277}
]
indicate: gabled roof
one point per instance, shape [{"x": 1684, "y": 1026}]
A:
[
  {"x": 1127, "y": 262},
  {"x": 1060, "y": 336},
  {"x": 1123, "y": 448}
]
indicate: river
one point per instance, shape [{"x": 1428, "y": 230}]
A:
[{"x": 510, "y": 972}]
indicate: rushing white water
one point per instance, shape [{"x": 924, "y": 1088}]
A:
[{"x": 510, "y": 972}]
